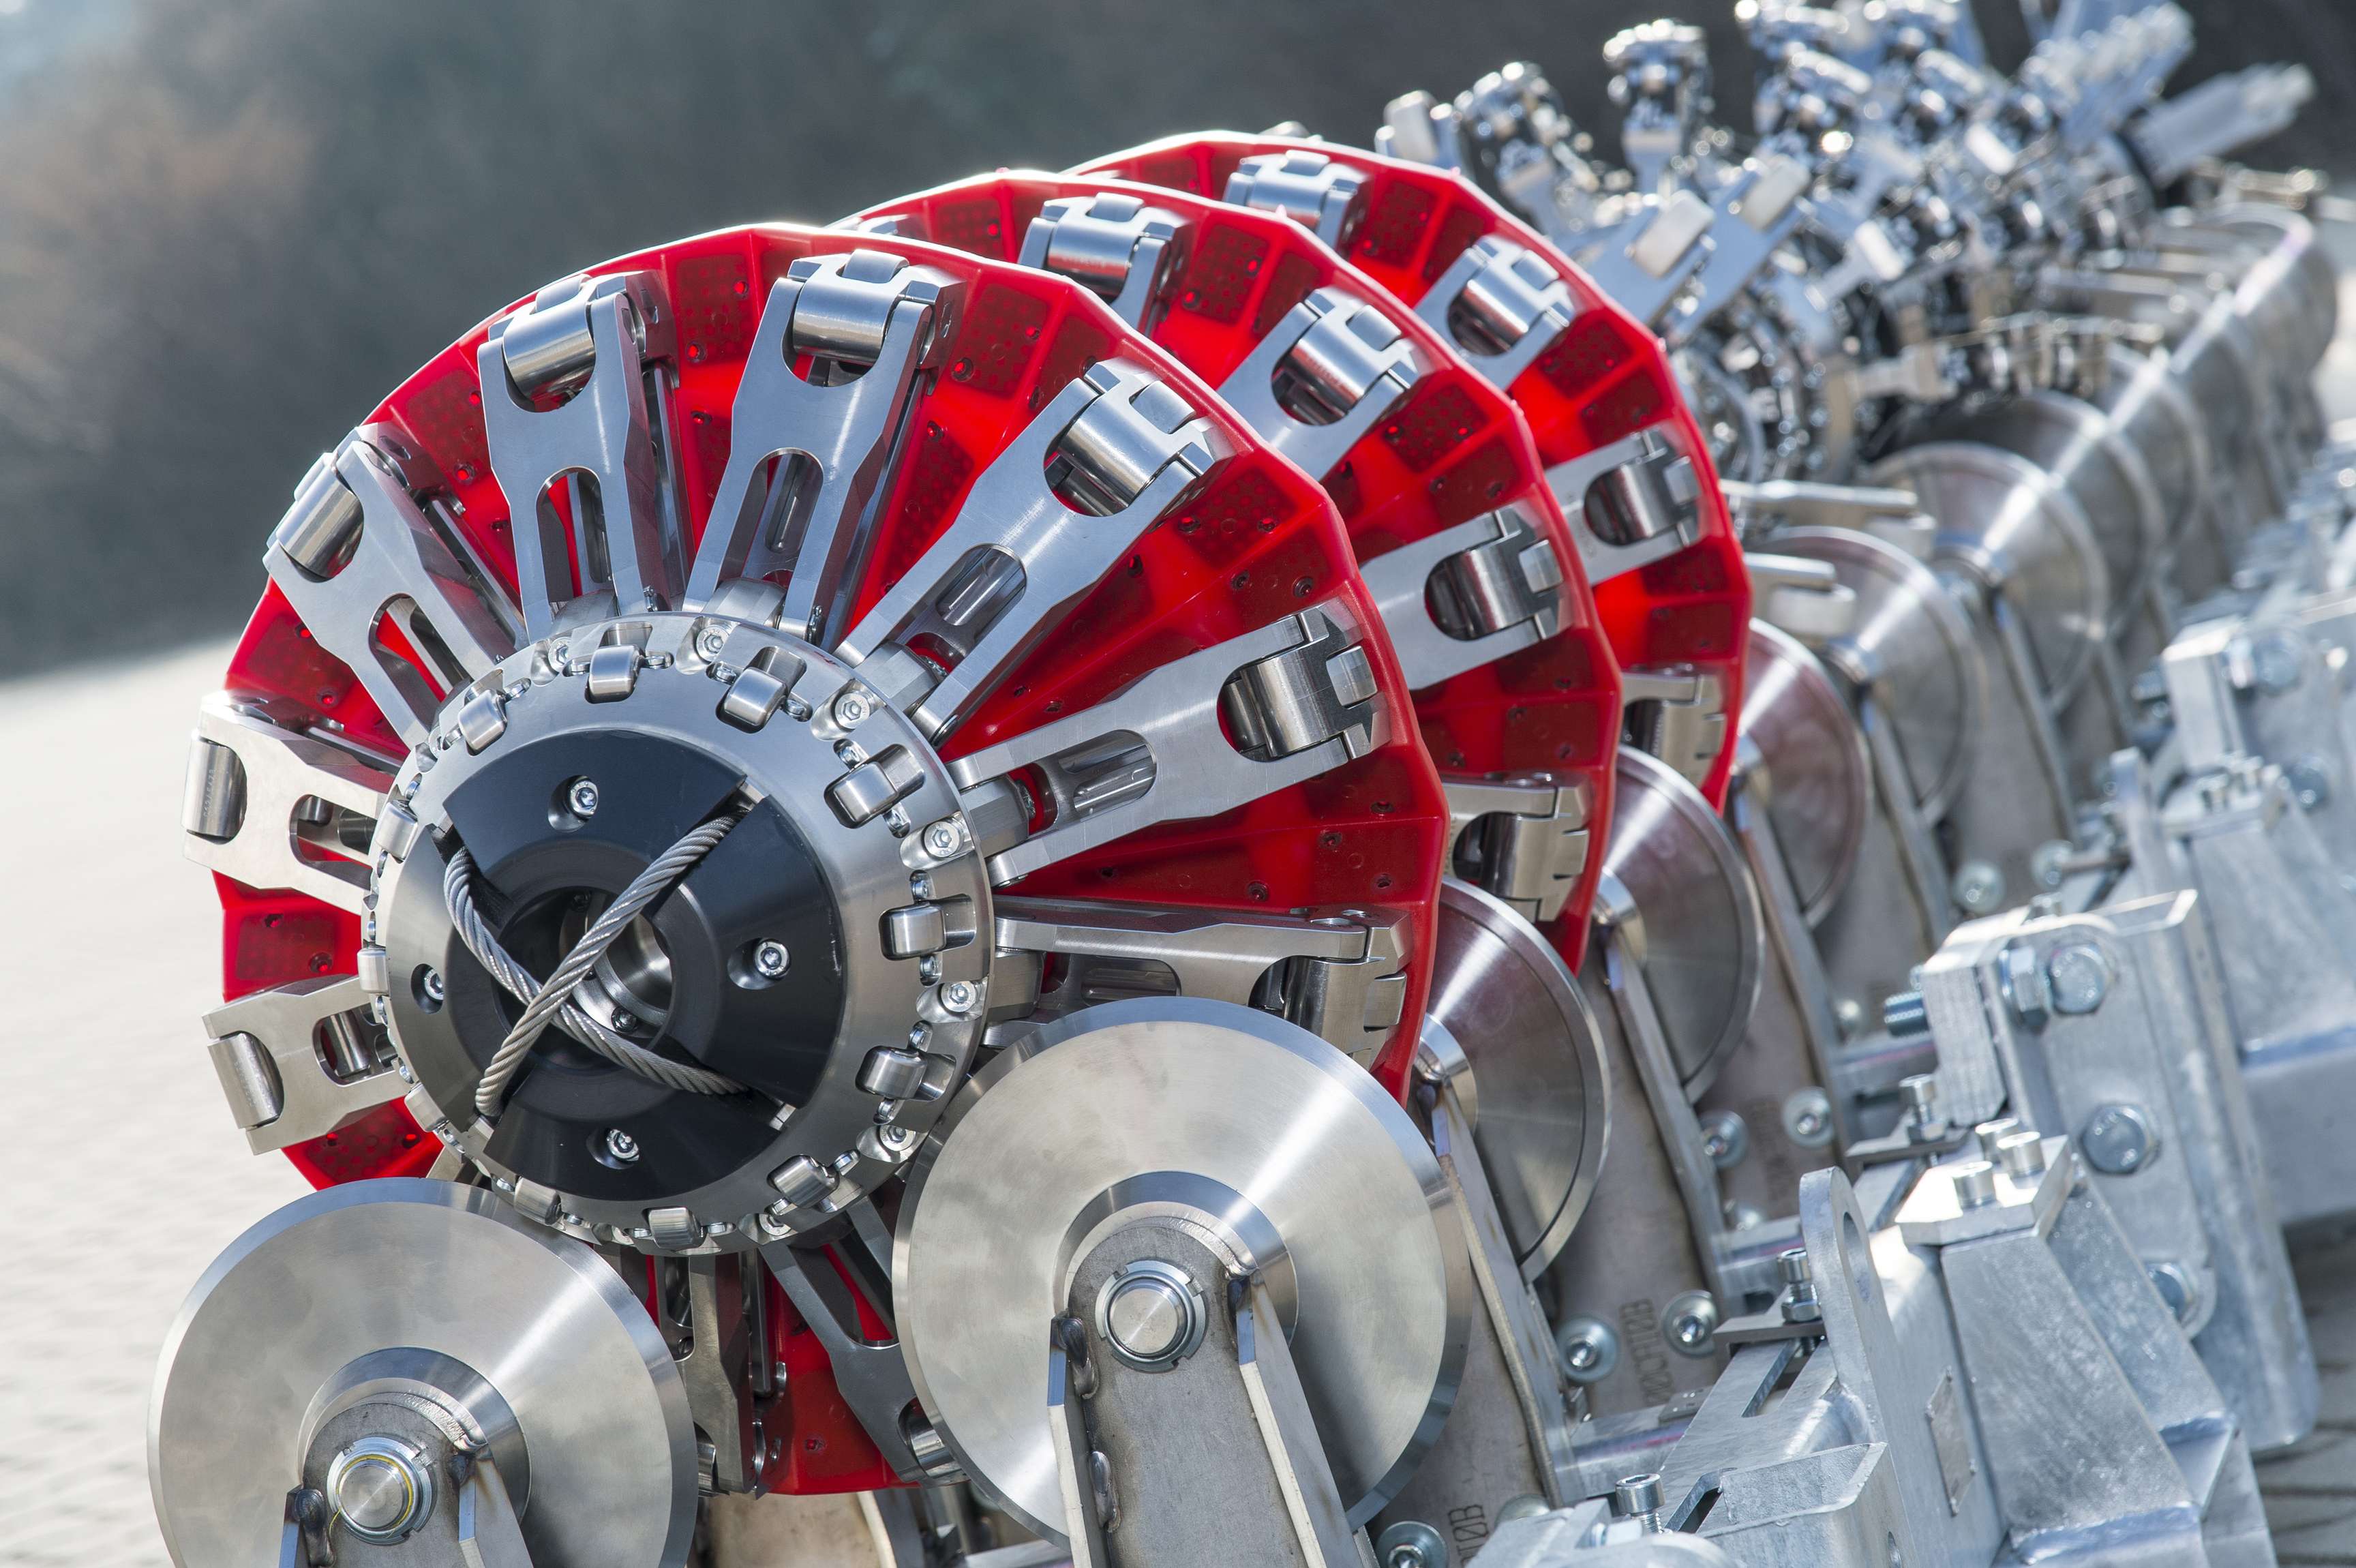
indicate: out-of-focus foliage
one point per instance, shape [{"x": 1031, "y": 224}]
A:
[{"x": 228, "y": 226}]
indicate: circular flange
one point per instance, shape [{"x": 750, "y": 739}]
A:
[
  {"x": 1145, "y": 1106},
  {"x": 1699, "y": 931},
  {"x": 2017, "y": 530},
  {"x": 1910, "y": 642},
  {"x": 338, "y": 1277},
  {"x": 773, "y": 959},
  {"x": 1538, "y": 1061},
  {"x": 1820, "y": 792}
]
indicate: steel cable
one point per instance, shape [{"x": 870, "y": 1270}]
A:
[{"x": 551, "y": 1002}]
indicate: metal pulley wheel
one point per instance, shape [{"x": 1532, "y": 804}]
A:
[
  {"x": 1820, "y": 791},
  {"x": 2016, "y": 529},
  {"x": 1539, "y": 1068},
  {"x": 1692, "y": 918},
  {"x": 359, "y": 1336},
  {"x": 1910, "y": 644},
  {"x": 1277, "y": 1148}
]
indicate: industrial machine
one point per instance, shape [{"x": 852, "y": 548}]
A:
[{"x": 1290, "y": 851}]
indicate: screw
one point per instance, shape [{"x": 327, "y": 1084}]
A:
[
  {"x": 1906, "y": 1016},
  {"x": 431, "y": 986},
  {"x": 1411, "y": 1543},
  {"x": 851, "y": 708},
  {"x": 1639, "y": 1497},
  {"x": 1692, "y": 1318},
  {"x": 2309, "y": 781},
  {"x": 944, "y": 839},
  {"x": 581, "y": 795},
  {"x": 1975, "y": 1183},
  {"x": 1848, "y": 1013},
  {"x": 710, "y": 641},
  {"x": 1979, "y": 888},
  {"x": 1800, "y": 1303},
  {"x": 620, "y": 1147},
  {"x": 1742, "y": 1217},
  {"x": 2119, "y": 1140},
  {"x": 2081, "y": 977},
  {"x": 2176, "y": 1287},
  {"x": 769, "y": 960},
  {"x": 1725, "y": 1139},
  {"x": 1920, "y": 1093},
  {"x": 2276, "y": 663},
  {"x": 1809, "y": 1118},
  {"x": 959, "y": 997},
  {"x": 1588, "y": 1348}
]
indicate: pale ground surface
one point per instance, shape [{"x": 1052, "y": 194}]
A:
[{"x": 121, "y": 1177}]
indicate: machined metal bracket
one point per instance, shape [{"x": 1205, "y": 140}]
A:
[
  {"x": 1468, "y": 595},
  {"x": 599, "y": 345},
  {"x": 272, "y": 807},
  {"x": 300, "y": 1060},
  {"x": 1678, "y": 715},
  {"x": 1322, "y": 378},
  {"x": 1525, "y": 840},
  {"x": 1314, "y": 190},
  {"x": 1298, "y": 695},
  {"x": 1502, "y": 305},
  {"x": 1629, "y": 504},
  {"x": 1125, "y": 448},
  {"x": 1340, "y": 975},
  {"x": 808, "y": 454},
  {"x": 1113, "y": 244},
  {"x": 357, "y": 551},
  {"x": 1647, "y": 263}
]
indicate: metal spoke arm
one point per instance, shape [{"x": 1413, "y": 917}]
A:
[
  {"x": 276, "y": 808},
  {"x": 1468, "y": 595}
]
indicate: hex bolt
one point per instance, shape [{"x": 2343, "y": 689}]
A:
[
  {"x": 1906, "y": 1016},
  {"x": 2119, "y": 1140},
  {"x": 580, "y": 798},
  {"x": 851, "y": 708},
  {"x": 710, "y": 641},
  {"x": 1411, "y": 1543},
  {"x": 2176, "y": 1287},
  {"x": 770, "y": 958},
  {"x": 1920, "y": 1093},
  {"x": 1639, "y": 1497},
  {"x": 2080, "y": 975},
  {"x": 1975, "y": 1183},
  {"x": 960, "y": 996},
  {"x": 1725, "y": 1138},
  {"x": 1979, "y": 888},
  {"x": 1588, "y": 1348},
  {"x": 1800, "y": 1303},
  {"x": 1849, "y": 1015},
  {"x": 944, "y": 838},
  {"x": 1692, "y": 1318},
  {"x": 431, "y": 983},
  {"x": 1992, "y": 1133},
  {"x": 620, "y": 1147},
  {"x": 2021, "y": 1155}
]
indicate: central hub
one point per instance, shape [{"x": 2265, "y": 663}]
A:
[{"x": 803, "y": 956}]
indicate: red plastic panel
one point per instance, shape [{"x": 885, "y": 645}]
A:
[
  {"x": 1453, "y": 448},
  {"x": 1606, "y": 378}
]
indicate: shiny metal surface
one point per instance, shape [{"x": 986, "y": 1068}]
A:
[
  {"x": 1516, "y": 1009},
  {"x": 1155, "y": 1103},
  {"x": 1820, "y": 791},
  {"x": 341, "y": 1273},
  {"x": 1701, "y": 936},
  {"x": 2016, "y": 529},
  {"x": 1910, "y": 641}
]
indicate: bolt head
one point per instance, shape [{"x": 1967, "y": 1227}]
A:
[
  {"x": 1692, "y": 1319},
  {"x": 943, "y": 840},
  {"x": 770, "y": 958},
  {"x": 1588, "y": 1348},
  {"x": 960, "y": 996},
  {"x": 1725, "y": 1138},
  {"x": 2080, "y": 975},
  {"x": 620, "y": 1147},
  {"x": 432, "y": 985},
  {"x": 2119, "y": 1140},
  {"x": 851, "y": 708},
  {"x": 1979, "y": 888},
  {"x": 1809, "y": 1118},
  {"x": 581, "y": 796},
  {"x": 710, "y": 641}
]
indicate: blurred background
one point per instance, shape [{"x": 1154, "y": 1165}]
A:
[{"x": 227, "y": 227}]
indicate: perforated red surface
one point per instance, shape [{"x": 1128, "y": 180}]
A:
[
  {"x": 1454, "y": 447},
  {"x": 1606, "y": 378}
]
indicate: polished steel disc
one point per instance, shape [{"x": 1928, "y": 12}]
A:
[
  {"x": 1538, "y": 1072},
  {"x": 1697, "y": 913},
  {"x": 1820, "y": 789},
  {"x": 1910, "y": 641},
  {"x": 1163, "y": 1092},
  {"x": 351, "y": 1272},
  {"x": 2015, "y": 527}
]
